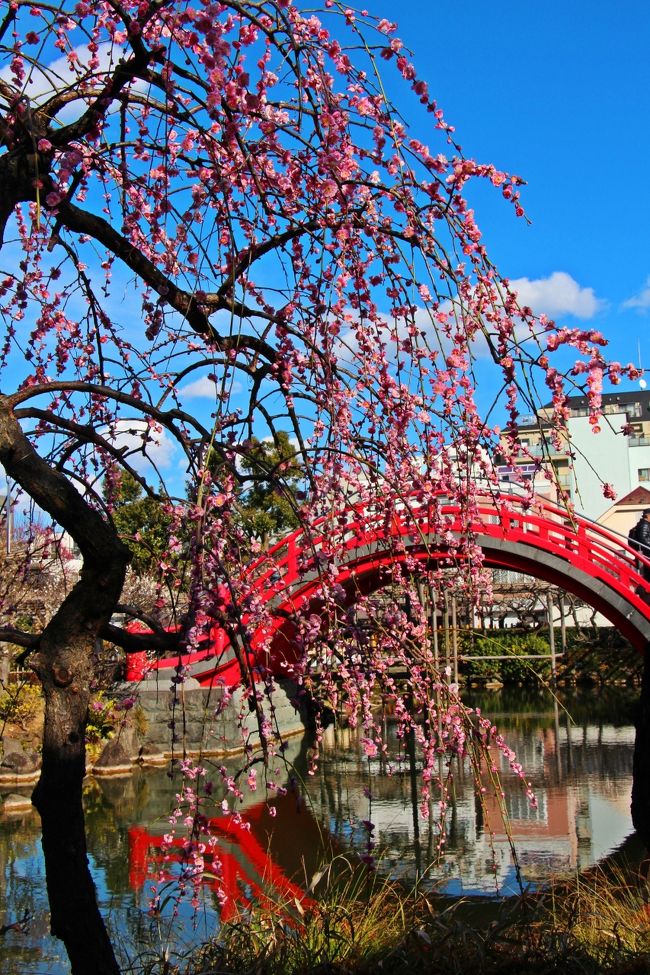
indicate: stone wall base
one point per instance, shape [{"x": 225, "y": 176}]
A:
[{"x": 185, "y": 720}]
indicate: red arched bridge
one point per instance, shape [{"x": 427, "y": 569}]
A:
[{"x": 539, "y": 539}]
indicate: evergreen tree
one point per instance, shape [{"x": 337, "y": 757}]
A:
[
  {"x": 140, "y": 521},
  {"x": 270, "y": 499}
]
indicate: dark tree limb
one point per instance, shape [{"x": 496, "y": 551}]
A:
[
  {"x": 641, "y": 763},
  {"x": 63, "y": 662}
]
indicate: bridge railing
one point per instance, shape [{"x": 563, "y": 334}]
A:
[
  {"x": 596, "y": 549},
  {"x": 542, "y": 525},
  {"x": 289, "y": 574}
]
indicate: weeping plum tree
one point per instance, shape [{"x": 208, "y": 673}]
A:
[{"x": 217, "y": 197}]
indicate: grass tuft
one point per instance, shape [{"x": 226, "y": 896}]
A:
[{"x": 596, "y": 924}]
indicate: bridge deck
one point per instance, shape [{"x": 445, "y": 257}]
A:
[{"x": 539, "y": 539}]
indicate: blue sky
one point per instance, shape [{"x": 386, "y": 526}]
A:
[{"x": 557, "y": 92}]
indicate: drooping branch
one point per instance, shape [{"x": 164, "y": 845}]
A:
[{"x": 104, "y": 557}]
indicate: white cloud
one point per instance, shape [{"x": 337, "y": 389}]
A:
[
  {"x": 144, "y": 446},
  {"x": 65, "y": 73},
  {"x": 205, "y": 388},
  {"x": 641, "y": 301},
  {"x": 557, "y": 295},
  {"x": 43, "y": 80}
]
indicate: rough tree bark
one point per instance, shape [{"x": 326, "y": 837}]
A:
[
  {"x": 641, "y": 764},
  {"x": 63, "y": 663}
]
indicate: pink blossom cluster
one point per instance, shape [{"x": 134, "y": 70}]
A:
[{"x": 218, "y": 200}]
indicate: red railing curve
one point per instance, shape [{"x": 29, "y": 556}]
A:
[{"x": 541, "y": 539}]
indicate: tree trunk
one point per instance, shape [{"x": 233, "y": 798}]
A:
[
  {"x": 74, "y": 914},
  {"x": 63, "y": 662},
  {"x": 641, "y": 764}
]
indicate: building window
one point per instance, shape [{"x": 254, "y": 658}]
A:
[{"x": 644, "y": 473}]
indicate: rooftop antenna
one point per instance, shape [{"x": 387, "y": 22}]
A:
[{"x": 642, "y": 382}]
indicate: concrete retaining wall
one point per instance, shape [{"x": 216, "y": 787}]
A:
[{"x": 173, "y": 720}]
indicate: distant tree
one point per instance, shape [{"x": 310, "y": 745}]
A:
[
  {"x": 266, "y": 485},
  {"x": 269, "y": 503},
  {"x": 140, "y": 521},
  {"x": 36, "y": 574},
  {"x": 221, "y": 193}
]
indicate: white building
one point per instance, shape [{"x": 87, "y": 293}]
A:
[{"x": 619, "y": 454}]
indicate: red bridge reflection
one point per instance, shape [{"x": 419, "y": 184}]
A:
[{"x": 242, "y": 867}]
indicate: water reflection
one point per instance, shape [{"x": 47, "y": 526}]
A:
[{"x": 580, "y": 768}]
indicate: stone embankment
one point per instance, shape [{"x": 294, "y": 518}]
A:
[
  {"x": 163, "y": 721},
  {"x": 174, "y": 720}
]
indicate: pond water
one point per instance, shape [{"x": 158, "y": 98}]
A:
[{"x": 577, "y": 756}]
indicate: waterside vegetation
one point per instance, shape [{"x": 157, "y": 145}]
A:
[{"x": 595, "y": 923}]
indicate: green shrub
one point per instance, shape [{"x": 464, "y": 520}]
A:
[
  {"x": 20, "y": 703},
  {"x": 515, "y": 647},
  {"x": 101, "y": 718}
]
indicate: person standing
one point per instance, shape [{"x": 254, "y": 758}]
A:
[{"x": 639, "y": 539}]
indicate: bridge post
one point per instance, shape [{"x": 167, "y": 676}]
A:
[
  {"x": 641, "y": 762},
  {"x": 551, "y": 635},
  {"x": 562, "y": 623},
  {"x": 454, "y": 637}
]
